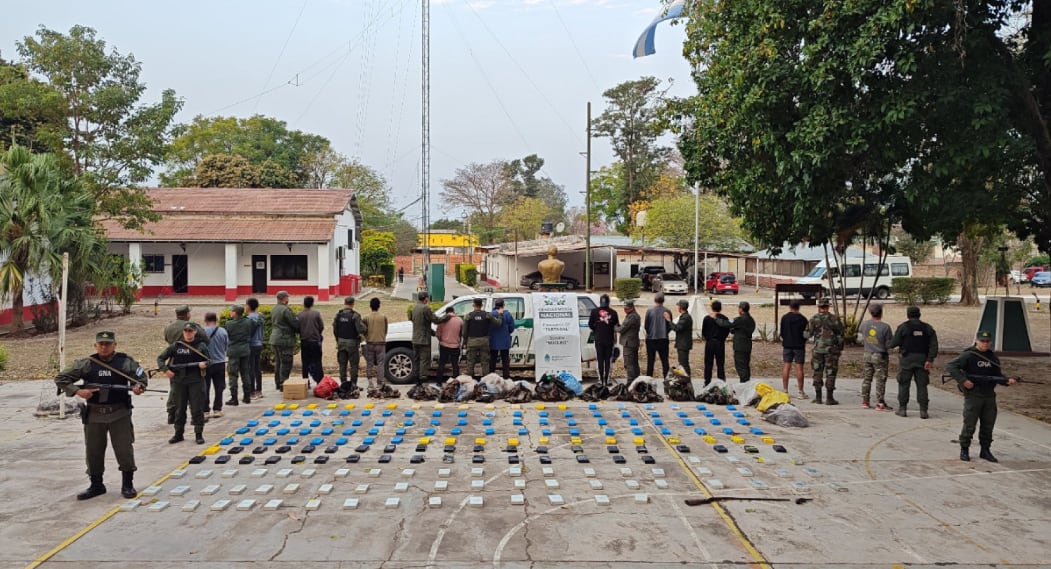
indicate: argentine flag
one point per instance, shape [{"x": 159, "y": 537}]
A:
[{"x": 644, "y": 46}]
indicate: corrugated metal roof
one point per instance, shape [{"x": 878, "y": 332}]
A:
[{"x": 239, "y": 201}]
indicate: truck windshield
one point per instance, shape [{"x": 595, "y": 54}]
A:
[{"x": 816, "y": 273}]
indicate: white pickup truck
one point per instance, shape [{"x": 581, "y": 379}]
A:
[{"x": 398, "y": 365}]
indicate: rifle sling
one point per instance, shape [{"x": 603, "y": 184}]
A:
[{"x": 117, "y": 371}]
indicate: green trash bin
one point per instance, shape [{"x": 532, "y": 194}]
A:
[{"x": 436, "y": 282}]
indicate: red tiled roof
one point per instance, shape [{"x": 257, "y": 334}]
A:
[
  {"x": 226, "y": 229},
  {"x": 241, "y": 201}
]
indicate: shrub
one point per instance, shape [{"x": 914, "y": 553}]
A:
[
  {"x": 922, "y": 290},
  {"x": 467, "y": 273},
  {"x": 266, "y": 360},
  {"x": 387, "y": 270},
  {"x": 3, "y": 357},
  {"x": 627, "y": 289}
]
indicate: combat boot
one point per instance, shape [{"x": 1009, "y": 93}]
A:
[
  {"x": 96, "y": 489},
  {"x": 923, "y": 413},
  {"x": 901, "y": 412},
  {"x": 965, "y": 453},
  {"x": 177, "y": 437},
  {"x": 986, "y": 454},
  {"x": 829, "y": 400},
  {"x": 817, "y": 395},
  {"x": 127, "y": 485},
  {"x": 198, "y": 435}
]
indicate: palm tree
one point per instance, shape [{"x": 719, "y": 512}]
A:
[{"x": 43, "y": 213}]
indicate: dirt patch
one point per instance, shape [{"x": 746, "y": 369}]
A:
[{"x": 140, "y": 334}]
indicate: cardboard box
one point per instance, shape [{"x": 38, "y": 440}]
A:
[{"x": 294, "y": 389}]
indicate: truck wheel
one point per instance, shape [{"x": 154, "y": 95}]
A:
[
  {"x": 882, "y": 293},
  {"x": 535, "y": 285},
  {"x": 398, "y": 365},
  {"x": 570, "y": 285}
]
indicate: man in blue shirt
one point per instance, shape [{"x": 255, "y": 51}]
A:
[
  {"x": 215, "y": 374},
  {"x": 500, "y": 339}
]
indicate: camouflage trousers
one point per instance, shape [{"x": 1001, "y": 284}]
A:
[
  {"x": 826, "y": 367},
  {"x": 875, "y": 366}
]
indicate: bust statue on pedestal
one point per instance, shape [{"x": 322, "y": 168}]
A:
[{"x": 551, "y": 267}]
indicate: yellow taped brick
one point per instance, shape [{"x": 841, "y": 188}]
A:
[
  {"x": 279, "y": 406},
  {"x": 709, "y": 439},
  {"x": 562, "y": 407},
  {"x": 673, "y": 440},
  {"x": 450, "y": 440},
  {"x": 479, "y": 441},
  {"x": 370, "y": 405},
  {"x": 576, "y": 441},
  {"x": 737, "y": 439},
  {"x": 611, "y": 440},
  {"x": 425, "y": 440},
  {"x": 331, "y": 406},
  {"x": 768, "y": 440},
  {"x": 312, "y": 406},
  {"x": 639, "y": 441},
  {"x": 392, "y": 406},
  {"x": 543, "y": 440},
  {"x": 540, "y": 407},
  {"x": 211, "y": 450},
  {"x": 348, "y": 406},
  {"x": 293, "y": 406},
  {"x": 760, "y": 459},
  {"x": 512, "y": 442}
]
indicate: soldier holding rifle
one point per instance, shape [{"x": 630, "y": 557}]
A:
[{"x": 977, "y": 370}]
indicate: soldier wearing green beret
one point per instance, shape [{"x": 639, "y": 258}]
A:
[
  {"x": 919, "y": 347},
  {"x": 109, "y": 378},
  {"x": 974, "y": 369}
]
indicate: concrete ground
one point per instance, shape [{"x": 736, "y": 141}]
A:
[{"x": 887, "y": 491}]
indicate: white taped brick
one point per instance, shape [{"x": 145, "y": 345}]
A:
[
  {"x": 130, "y": 505},
  {"x": 434, "y": 501},
  {"x": 272, "y": 505},
  {"x": 158, "y": 506},
  {"x": 191, "y": 505},
  {"x": 220, "y": 505},
  {"x": 325, "y": 489},
  {"x": 290, "y": 489},
  {"x": 264, "y": 489},
  {"x": 350, "y": 504},
  {"x": 245, "y": 504},
  {"x": 401, "y": 487},
  {"x": 210, "y": 490},
  {"x": 239, "y": 489},
  {"x": 179, "y": 491},
  {"x": 313, "y": 504}
]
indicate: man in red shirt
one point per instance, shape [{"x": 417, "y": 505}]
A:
[{"x": 448, "y": 334}]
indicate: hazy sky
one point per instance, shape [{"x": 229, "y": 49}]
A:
[{"x": 508, "y": 77}]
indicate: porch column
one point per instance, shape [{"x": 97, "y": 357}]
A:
[
  {"x": 231, "y": 271},
  {"x": 324, "y": 277}
]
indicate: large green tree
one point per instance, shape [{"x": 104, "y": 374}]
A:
[
  {"x": 32, "y": 114},
  {"x": 256, "y": 139},
  {"x": 671, "y": 222},
  {"x": 820, "y": 120},
  {"x": 113, "y": 139},
  {"x": 633, "y": 124},
  {"x": 44, "y": 212}
]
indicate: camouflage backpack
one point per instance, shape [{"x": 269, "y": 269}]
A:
[
  {"x": 520, "y": 394},
  {"x": 449, "y": 391},
  {"x": 423, "y": 392},
  {"x": 348, "y": 390},
  {"x": 482, "y": 394},
  {"x": 551, "y": 388},
  {"x": 595, "y": 392},
  {"x": 645, "y": 393},
  {"x": 678, "y": 386},
  {"x": 384, "y": 392}
]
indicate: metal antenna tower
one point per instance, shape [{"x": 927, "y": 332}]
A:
[{"x": 425, "y": 168}]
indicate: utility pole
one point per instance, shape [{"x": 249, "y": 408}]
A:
[
  {"x": 425, "y": 161},
  {"x": 587, "y": 210}
]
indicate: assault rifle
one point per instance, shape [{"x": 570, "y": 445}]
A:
[
  {"x": 997, "y": 379},
  {"x": 104, "y": 390}
]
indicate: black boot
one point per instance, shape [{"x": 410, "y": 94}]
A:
[
  {"x": 923, "y": 413},
  {"x": 198, "y": 435},
  {"x": 829, "y": 400},
  {"x": 817, "y": 395},
  {"x": 96, "y": 489},
  {"x": 901, "y": 412},
  {"x": 177, "y": 438},
  {"x": 127, "y": 485},
  {"x": 986, "y": 454},
  {"x": 965, "y": 453}
]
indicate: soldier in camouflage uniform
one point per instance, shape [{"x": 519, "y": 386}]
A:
[
  {"x": 875, "y": 334},
  {"x": 826, "y": 330}
]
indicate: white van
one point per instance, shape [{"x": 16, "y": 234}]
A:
[
  {"x": 399, "y": 364},
  {"x": 858, "y": 280}
]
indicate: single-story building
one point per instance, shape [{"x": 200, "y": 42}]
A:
[{"x": 239, "y": 242}]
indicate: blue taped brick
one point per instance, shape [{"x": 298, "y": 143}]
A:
[
  {"x": 429, "y": 432},
  {"x": 665, "y": 431},
  {"x": 592, "y": 406},
  {"x": 283, "y": 431},
  {"x": 337, "y": 422},
  {"x": 687, "y": 422},
  {"x": 252, "y": 423},
  {"x": 543, "y": 422},
  {"x": 286, "y": 413},
  {"x": 379, "y": 423},
  {"x": 400, "y": 432},
  {"x": 464, "y": 414},
  {"x": 658, "y": 422},
  {"x": 731, "y": 407},
  {"x": 743, "y": 422},
  {"x": 261, "y": 432},
  {"x": 487, "y": 422},
  {"x": 738, "y": 414},
  {"x": 542, "y": 414},
  {"x": 435, "y": 423},
  {"x": 316, "y": 441},
  {"x": 374, "y": 431},
  {"x": 344, "y": 413},
  {"x": 517, "y": 413},
  {"x": 241, "y": 431},
  {"x": 700, "y": 431},
  {"x": 305, "y": 431},
  {"x": 226, "y": 441},
  {"x": 567, "y": 414},
  {"x": 634, "y": 422},
  {"x": 610, "y": 432},
  {"x": 292, "y": 441},
  {"x": 341, "y": 441},
  {"x": 387, "y": 413},
  {"x": 682, "y": 414},
  {"x": 516, "y": 422},
  {"x": 523, "y": 431},
  {"x": 268, "y": 413},
  {"x": 701, "y": 407},
  {"x": 348, "y": 432},
  {"x": 461, "y": 422},
  {"x": 270, "y": 441},
  {"x": 396, "y": 440},
  {"x": 546, "y": 432},
  {"x": 728, "y": 431},
  {"x": 572, "y": 423},
  {"x": 456, "y": 431},
  {"x": 490, "y": 431},
  {"x": 273, "y": 423},
  {"x": 409, "y": 422},
  {"x": 245, "y": 441},
  {"x": 574, "y": 432},
  {"x": 366, "y": 412},
  {"x": 436, "y": 414},
  {"x": 636, "y": 431},
  {"x": 355, "y": 423},
  {"x": 596, "y": 414},
  {"x": 602, "y": 423},
  {"x": 368, "y": 440},
  {"x": 308, "y": 413},
  {"x": 295, "y": 423},
  {"x": 756, "y": 431},
  {"x": 315, "y": 423},
  {"x": 410, "y": 413}
]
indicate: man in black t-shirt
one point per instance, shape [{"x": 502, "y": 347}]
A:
[
  {"x": 793, "y": 346},
  {"x": 604, "y": 321}
]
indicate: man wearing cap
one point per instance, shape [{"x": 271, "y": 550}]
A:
[
  {"x": 184, "y": 363},
  {"x": 240, "y": 330},
  {"x": 283, "y": 328},
  {"x": 974, "y": 370},
  {"x": 349, "y": 330},
  {"x": 475, "y": 334},
  {"x": 714, "y": 329},
  {"x": 742, "y": 329},
  {"x": 919, "y": 347},
  {"x": 826, "y": 331},
  {"x": 629, "y": 340},
  {"x": 375, "y": 344},
  {"x": 422, "y": 318},
  {"x": 875, "y": 334},
  {"x": 172, "y": 334},
  {"x": 108, "y": 410},
  {"x": 683, "y": 328}
]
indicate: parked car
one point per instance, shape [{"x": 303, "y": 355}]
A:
[
  {"x": 1018, "y": 278},
  {"x": 534, "y": 279},
  {"x": 399, "y": 364},
  {"x": 721, "y": 283},
  {"x": 669, "y": 283},
  {"x": 1030, "y": 271},
  {"x": 646, "y": 273},
  {"x": 1041, "y": 279}
]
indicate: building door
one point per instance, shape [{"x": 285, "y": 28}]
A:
[
  {"x": 180, "y": 278},
  {"x": 258, "y": 274}
]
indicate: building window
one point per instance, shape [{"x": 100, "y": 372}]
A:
[
  {"x": 153, "y": 263},
  {"x": 288, "y": 267}
]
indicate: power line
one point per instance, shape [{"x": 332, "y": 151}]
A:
[
  {"x": 569, "y": 34},
  {"x": 281, "y": 54}
]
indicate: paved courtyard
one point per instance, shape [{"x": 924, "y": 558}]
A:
[{"x": 366, "y": 483}]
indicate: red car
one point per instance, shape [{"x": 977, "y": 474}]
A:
[
  {"x": 1030, "y": 271},
  {"x": 720, "y": 283}
]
